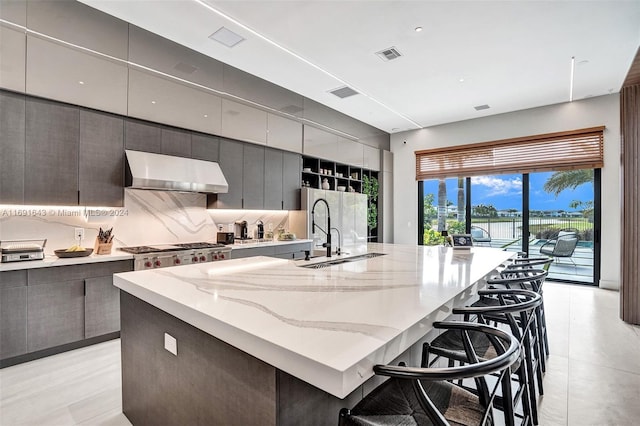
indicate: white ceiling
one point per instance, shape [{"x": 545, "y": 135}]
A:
[{"x": 512, "y": 55}]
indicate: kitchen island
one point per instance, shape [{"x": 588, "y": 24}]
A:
[{"x": 266, "y": 341}]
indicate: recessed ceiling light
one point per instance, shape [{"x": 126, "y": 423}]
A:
[
  {"x": 81, "y": 82},
  {"x": 461, "y": 80},
  {"x": 153, "y": 102},
  {"x": 418, "y": 29},
  {"x": 226, "y": 37},
  {"x": 206, "y": 116}
]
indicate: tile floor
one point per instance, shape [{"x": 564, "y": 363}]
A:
[{"x": 593, "y": 377}]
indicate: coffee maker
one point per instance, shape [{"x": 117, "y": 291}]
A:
[
  {"x": 260, "y": 230},
  {"x": 242, "y": 230}
]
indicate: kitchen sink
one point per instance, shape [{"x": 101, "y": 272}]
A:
[{"x": 328, "y": 263}]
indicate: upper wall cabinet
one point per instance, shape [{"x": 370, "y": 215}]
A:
[
  {"x": 101, "y": 164},
  {"x": 253, "y": 188},
  {"x": 13, "y": 43},
  {"x": 158, "y": 53},
  {"x": 284, "y": 133},
  {"x": 243, "y": 122},
  {"x": 255, "y": 89},
  {"x": 320, "y": 143},
  {"x": 371, "y": 158},
  {"x": 205, "y": 147},
  {"x": 163, "y": 100},
  {"x": 141, "y": 136},
  {"x": 231, "y": 162},
  {"x": 351, "y": 152},
  {"x": 63, "y": 73},
  {"x": 51, "y": 160},
  {"x": 12, "y": 148}
]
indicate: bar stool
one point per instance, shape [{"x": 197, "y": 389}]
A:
[
  {"x": 516, "y": 309},
  {"x": 424, "y": 396}
]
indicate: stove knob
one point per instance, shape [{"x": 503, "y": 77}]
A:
[
  {"x": 215, "y": 257},
  {"x": 147, "y": 264},
  {"x": 157, "y": 263},
  {"x": 202, "y": 258},
  {"x": 178, "y": 261},
  {"x": 194, "y": 259},
  {"x": 221, "y": 255}
]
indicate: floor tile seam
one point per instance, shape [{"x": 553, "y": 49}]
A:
[{"x": 594, "y": 364}]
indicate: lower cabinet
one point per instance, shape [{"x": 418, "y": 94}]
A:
[
  {"x": 44, "y": 308},
  {"x": 293, "y": 250},
  {"x": 13, "y": 313},
  {"x": 55, "y": 314},
  {"x": 101, "y": 307}
]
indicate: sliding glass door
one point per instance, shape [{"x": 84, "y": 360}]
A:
[{"x": 552, "y": 213}]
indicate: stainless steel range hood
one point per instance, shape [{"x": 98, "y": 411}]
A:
[{"x": 169, "y": 173}]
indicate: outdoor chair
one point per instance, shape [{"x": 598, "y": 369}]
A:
[
  {"x": 425, "y": 396},
  {"x": 480, "y": 235},
  {"x": 563, "y": 246}
]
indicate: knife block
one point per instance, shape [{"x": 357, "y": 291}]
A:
[{"x": 102, "y": 248}]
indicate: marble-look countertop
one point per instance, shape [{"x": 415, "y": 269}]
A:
[
  {"x": 327, "y": 326},
  {"x": 253, "y": 244},
  {"x": 53, "y": 260}
]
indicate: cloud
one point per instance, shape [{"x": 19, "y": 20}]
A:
[{"x": 498, "y": 186}]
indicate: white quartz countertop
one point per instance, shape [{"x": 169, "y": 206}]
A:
[
  {"x": 326, "y": 326},
  {"x": 254, "y": 244},
  {"x": 53, "y": 260}
]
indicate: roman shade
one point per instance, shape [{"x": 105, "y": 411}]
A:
[{"x": 575, "y": 149}]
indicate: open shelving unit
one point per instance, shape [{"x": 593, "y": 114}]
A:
[{"x": 315, "y": 170}]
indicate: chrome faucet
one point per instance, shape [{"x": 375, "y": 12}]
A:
[{"x": 314, "y": 226}]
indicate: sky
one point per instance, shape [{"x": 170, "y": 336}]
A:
[{"x": 505, "y": 192}]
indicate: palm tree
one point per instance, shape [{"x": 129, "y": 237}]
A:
[{"x": 559, "y": 181}]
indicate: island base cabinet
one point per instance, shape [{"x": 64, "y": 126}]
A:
[
  {"x": 208, "y": 382},
  {"x": 55, "y": 315}
]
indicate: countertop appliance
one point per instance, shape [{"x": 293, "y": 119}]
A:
[
  {"x": 162, "y": 256},
  {"x": 20, "y": 250},
  {"x": 260, "y": 230},
  {"x": 242, "y": 230},
  {"x": 225, "y": 237}
]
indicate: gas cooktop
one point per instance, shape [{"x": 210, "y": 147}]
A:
[{"x": 170, "y": 247}]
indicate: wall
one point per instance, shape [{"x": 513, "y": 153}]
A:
[
  {"x": 148, "y": 217},
  {"x": 603, "y": 110}
]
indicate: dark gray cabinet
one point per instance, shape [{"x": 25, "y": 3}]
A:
[
  {"x": 231, "y": 163},
  {"x": 273, "y": 171},
  {"x": 253, "y": 177},
  {"x": 293, "y": 250},
  {"x": 12, "y": 148},
  {"x": 176, "y": 142},
  {"x": 141, "y": 136},
  {"x": 291, "y": 172},
  {"x": 13, "y": 313},
  {"x": 101, "y": 181},
  {"x": 55, "y": 314},
  {"x": 101, "y": 307},
  {"x": 51, "y": 156},
  {"x": 204, "y": 147}
]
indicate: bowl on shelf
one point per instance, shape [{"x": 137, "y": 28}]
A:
[
  {"x": 341, "y": 188},
  {"x": 307, "y": 170},
  {"x": 64, "y": 253}
]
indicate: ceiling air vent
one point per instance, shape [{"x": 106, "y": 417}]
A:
[
  {"x": 389, "y": 54},
  {"x": 226, "y": 37},
  {"x": 343, "y": 92},
  {"x": 481, "y": 107}
]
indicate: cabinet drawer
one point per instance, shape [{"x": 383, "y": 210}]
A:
[
  {"x": 254, "y": 251},
  {"x": 292, "y": 248},
  {"x": 77, "y": 272},
  {"x": 13, "y": 279}
]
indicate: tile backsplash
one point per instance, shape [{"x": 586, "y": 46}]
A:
[{"x": 148, "y": 217}]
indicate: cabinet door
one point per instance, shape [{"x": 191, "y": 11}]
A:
[
  {"x": 51, "y": 160},
  {"x": 55, "y": 314},
  {"x": 231, "y": 163},
  {"x": 12, "y": 148},
  {"x": 101, "y": 159},
  {"x": 253, "y": 177},
  {"x": 13, "y": 313},
  {"x": 273, "y": 179},
  {"x": 101, "y": 307},
  {"x": 176, "y": 142},
  {"x": 205, "y": 147},
  {"x": 140, "y": 136},
  {"x": 291, "y": 172}
]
